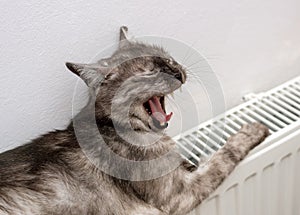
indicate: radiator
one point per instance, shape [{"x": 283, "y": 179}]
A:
[{"x": 267, "y": 181}]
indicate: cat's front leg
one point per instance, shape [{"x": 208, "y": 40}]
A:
[{"x": 200, "y": 183}]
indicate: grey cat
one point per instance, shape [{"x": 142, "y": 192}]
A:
[{"x": 58, "y": 174}]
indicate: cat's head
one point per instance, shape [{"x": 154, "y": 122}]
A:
[{"x": 130, "y": 86}]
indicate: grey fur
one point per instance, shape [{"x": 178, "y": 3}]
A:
[{"x": 52, "y": 175}]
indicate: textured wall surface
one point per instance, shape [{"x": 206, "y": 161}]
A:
[{"x": 251, "y": 46}]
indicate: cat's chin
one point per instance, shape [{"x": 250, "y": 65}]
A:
[{"x": 151, "y": 125}]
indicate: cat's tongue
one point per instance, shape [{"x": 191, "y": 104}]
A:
[{"x": 158, "y": 112}]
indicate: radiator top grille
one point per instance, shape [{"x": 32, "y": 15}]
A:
[{"x": 277, "y": 109}]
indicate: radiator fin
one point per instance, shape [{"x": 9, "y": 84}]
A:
[
  {"x": 277, "y": 109},
  {"x": 268, "y": 184}
]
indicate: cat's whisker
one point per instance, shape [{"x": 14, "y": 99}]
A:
[
  {"x": 182, "y": 98},
  {"x": 194, "y": 63},
  {"x": 198, "y": 71},
  {"x": 203, "y": 74},
  {"x": 210, "y": 58},
  {"x": 187, "y": 56},
  {"x": 201, "y": 60}
]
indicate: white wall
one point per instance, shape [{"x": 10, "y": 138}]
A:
[{"x": 252, "y": 45}]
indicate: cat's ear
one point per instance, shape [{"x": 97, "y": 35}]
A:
[
  {"x": 124, "y": 40},
  {"x": 91, "y": 74},
  {"x": 123, "y": 33}
]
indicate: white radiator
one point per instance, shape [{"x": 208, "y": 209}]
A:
[{"x": 267, "y": 182}]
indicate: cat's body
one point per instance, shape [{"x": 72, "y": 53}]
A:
[
  {"x": 42, "y": 178},
  {"x": 52, "y": 174}
]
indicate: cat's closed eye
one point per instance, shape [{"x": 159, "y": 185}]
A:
[{"x": 150, "y": 72}]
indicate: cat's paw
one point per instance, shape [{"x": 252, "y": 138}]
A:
[
  {"x": 249, "y": 136},
  {"x": 256, "y": 131}
]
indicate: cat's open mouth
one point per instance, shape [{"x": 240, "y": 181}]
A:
[{"x": 155, "y": 107}]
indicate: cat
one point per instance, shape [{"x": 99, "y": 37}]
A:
[{"x": 53, "y": 175}]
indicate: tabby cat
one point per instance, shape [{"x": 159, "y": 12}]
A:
[{"x": 57, "y": 174}]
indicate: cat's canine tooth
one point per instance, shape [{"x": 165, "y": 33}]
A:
[
  {"x": 180, "y": 89},
  {"x": 172, "y": 95}
]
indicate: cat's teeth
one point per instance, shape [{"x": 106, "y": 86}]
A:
[
  {"x": 172, "y": 95},
  {"x": 180, "y": 89}
]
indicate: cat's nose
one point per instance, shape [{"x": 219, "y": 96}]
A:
[{"x": 178, "y": 75}]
